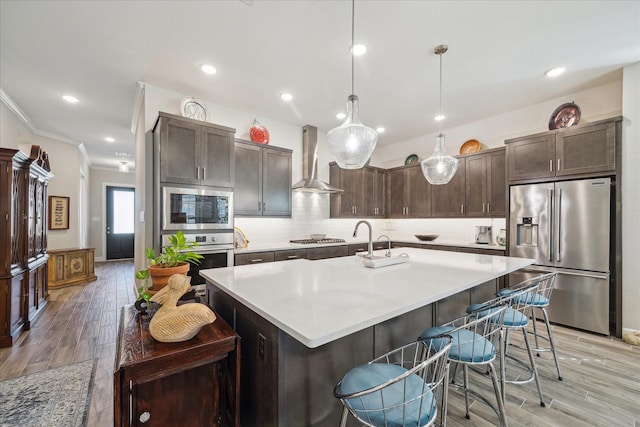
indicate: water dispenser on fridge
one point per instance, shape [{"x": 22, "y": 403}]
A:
[{"x": 527, "y": 231}]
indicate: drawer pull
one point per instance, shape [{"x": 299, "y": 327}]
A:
[
  {"x": 292, "y": 257},
  {"x": 257, "y": 260}
]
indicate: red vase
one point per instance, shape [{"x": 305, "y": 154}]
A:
[{"x": 258, "y": 133}]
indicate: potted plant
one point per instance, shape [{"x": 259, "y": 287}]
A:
[{"x": 173, "y": 259}]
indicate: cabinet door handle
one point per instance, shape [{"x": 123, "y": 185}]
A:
[
  {"x": 558, "y": 165},
  {"x": 259, "y": 206},
  {"x": 462, "y": 208},
  {"x": 197, "y": 172},
  {"x": 257, "y": 260},
  {"x": 550, "y": 165},
  {"x": 204, "y": 173},
  {"x": 483, "y": 208},
  {"x": 488, "y": 210}
]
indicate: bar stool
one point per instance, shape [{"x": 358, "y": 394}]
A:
[
  {"x": 475, "y": 339},
  {"x": 519, "y": 300},
  {"x": 400, "y": 388},
  {"x": 541, "y": 302}
]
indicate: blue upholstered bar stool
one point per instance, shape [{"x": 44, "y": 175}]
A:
[
  {"x": 541, "y": 302},
  {"x": 400, "y": 388},
  {"x": 476, "y": 337},
  {"x": 519, "y": 299}
]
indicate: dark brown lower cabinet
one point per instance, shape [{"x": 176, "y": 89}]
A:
[{"x": 192, "y": 383}]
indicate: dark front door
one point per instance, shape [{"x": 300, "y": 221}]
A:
[{"x": 120, "y": 217}]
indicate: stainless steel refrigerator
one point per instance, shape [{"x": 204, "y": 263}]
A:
[{"x": 565, "y": 226}]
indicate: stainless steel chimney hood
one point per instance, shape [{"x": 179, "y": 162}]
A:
[{"x": 310, "y": 182}]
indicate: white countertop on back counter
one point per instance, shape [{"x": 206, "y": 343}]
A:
[
  {"x": 317, "y": 302},
  {"x": 283, "y": 246}
]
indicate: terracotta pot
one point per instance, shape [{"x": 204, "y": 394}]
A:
[{"x": 160, "y": 275}]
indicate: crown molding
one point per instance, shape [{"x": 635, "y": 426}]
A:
[
  {"x": 138, "y": 106},
  {"x": 16, "y": 110}
]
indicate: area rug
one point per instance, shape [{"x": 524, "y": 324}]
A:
[{"x": 55, "y": 397}]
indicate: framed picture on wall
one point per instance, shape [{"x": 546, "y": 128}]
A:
[{"x": 58, "y": 213}]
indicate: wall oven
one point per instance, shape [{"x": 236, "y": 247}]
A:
[
  {"x": 196, "y": 208},
  {"x": 217, "y": 250}
]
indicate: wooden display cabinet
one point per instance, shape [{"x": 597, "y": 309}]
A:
[
  {"x": 71, "y": 266},
  {"x": 190, "y": 383}
]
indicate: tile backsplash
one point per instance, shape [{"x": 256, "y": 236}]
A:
[{"x": 310, "y": 214}]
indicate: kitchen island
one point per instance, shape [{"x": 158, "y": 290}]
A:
[{"x": 305, "y": 323}]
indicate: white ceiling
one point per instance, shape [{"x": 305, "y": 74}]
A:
[{"x": 498, "y": 52}]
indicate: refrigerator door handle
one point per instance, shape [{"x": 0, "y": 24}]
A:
[
  {"x": 558, "y": 228},
  {"x": 550, "y": 224}
]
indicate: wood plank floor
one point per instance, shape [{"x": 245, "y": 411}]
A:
[{"x": 601, "y": 384}]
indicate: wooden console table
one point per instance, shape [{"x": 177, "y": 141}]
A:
[
  {"x": 191, "y": 383},
  {"x": 71, "y": 266}
]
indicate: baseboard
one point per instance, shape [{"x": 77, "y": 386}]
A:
[
  {"x": 628, "y": 331},
  {"x": 100, "y": 259}
]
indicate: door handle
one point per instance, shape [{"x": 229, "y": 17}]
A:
[
  {"x": 550, "y": 223},
  {"x": 558, "y": 248}
]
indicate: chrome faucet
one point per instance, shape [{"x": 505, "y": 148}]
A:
[
  {"x": 388, "y": 253},
  {"x": 355, "y": 234}
]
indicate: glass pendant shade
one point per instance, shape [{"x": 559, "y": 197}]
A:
[
  {"x": 439, "y": 168},
  {"x": 352, "y": 143}
]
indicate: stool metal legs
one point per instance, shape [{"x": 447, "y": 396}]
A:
[
  {"x": 549, "y": 338},
  {"x": 532, "y": 368}
]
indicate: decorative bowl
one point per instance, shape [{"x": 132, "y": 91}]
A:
[
  {"x": 427, "y": 237},
  {"x": 317, "y": 236}
]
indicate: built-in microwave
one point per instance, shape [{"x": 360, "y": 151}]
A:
[{"x": 196, "y": 208}]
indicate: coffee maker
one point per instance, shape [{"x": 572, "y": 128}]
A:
[{"x": 483, "y": 234}]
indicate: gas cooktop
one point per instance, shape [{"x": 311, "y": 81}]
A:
[{"x": 317, "y": 241}]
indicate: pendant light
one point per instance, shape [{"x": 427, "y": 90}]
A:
[
  {"x": 439, "y": 168},
  {"x": 352, "y": 143}
]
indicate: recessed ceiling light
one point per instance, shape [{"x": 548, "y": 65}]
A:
[
  {"x": 109, "y": 139},
  {"x": 358, "y": 49},
  {"x": 380, "y": 129},
  {"x": 208, "y": 69},
  {"x": 70, "y": 99},
  {"x": 439, "y": 117},
  {"x": 286, "y": 96},
  {"x": 555, "y": 72},
  {"x": 340, "y": 116}
]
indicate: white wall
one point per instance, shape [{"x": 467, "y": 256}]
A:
[
  {"x": 631, "y": 199},
  {"x": 66, "y": 161},
  {"x": 597, "y": 103}
]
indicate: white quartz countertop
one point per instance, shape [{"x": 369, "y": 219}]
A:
[
  {"x": 317, "y": 302},
  {"x": 282, "y": 246}
]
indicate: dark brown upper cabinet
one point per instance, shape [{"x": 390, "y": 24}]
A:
[
  {"x": 195, "y": 152},
  {"x": 577, "y": 151},
  {"x": 351, "y": 202},
  {"x": 448, "y": 200},
  {"x": 409, "y": 193},
  {"x": 263, "y": 180},
  {"x": 485, "y": 184}
]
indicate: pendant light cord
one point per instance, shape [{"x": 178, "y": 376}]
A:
[
  {"x": 353, "y": 24},
  {"x": 440, "y": 113}
]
